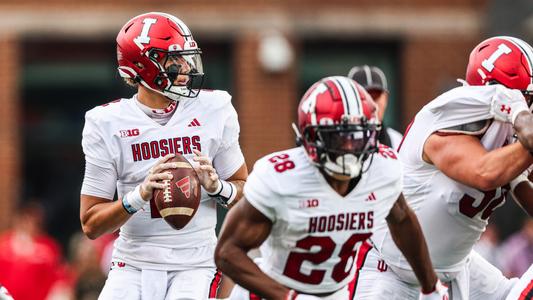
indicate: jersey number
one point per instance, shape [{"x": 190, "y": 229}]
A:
[
  {"x": 488, "y": 203},
  {"x": 281, "y": 162},
  {"x": 340, "y": 271},
  {"x": 386, "y": 152}
]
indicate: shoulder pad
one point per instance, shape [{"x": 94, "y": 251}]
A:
[
  {"x": 101, "y": 111},
  {"x": 473, "y": 128},
  {"x": 214, "y": 99}
]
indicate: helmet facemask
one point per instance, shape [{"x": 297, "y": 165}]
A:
[
  {"x": 180, "y": 72},
  {"x": 342, "y": 148}
]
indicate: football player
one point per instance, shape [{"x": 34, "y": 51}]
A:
[
  {"x": 459, "y": 160},
  {"x": 311, "y": 207},
  {"x": 374, "y": 81},
  {"x": 127, "y": 145}
]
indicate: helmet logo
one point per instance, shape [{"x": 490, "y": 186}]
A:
[
  {"x": 191, "y": 45},
  {"x": 488, "y": 64},
  {"x": 309, "y": 104},
  {"x": 143, "y": 38},
  {"x": 174, "y": 47}
]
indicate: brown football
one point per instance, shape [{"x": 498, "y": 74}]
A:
[{"x": 179, "y": 201}]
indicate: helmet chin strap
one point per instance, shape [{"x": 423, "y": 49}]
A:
[
  {"x": 170, "y": 96},
  {"x": 174, "y": 95},
  {"x": 175, "y": 92},
  {"x": 171, "y": 93},
  {"x": 345, "y": 167}
]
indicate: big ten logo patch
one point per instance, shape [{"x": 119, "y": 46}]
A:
[{"x": 129, "y": 132}]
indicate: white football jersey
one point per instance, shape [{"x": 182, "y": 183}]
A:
[
  {"x": 120, "y": 135},
  {"x": 452, "y": 215},
  {"x": 316, "y": 232}
]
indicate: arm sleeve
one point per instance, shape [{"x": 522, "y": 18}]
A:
[
  {"x": 229, "y": 157},
  {"x": 260, "y": 192},
  {"x": 99, "y": 181}
]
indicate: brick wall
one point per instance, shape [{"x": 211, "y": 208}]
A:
[
  {"x": 265, "y": 102},
  {"x": 9, "y": 128},
  {"x": 431, "y": 66}
]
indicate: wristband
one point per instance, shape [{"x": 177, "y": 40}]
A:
[
  {"x": 437, "y": 288},
  {"x": 133, "y": 201},
  {"x": 225, "y": 193}
]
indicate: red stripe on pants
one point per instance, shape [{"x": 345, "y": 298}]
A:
[
  {"x": 360, "y": 261},
  {"x": 215, "y": 284},
  {"x": 527, "y": 293}
]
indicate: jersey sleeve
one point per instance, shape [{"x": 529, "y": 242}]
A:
[
  {"x": 94, "y": 144},
  {"x": 463, "y": 105},
  {"x": 261, "y": 190},
  {"x": 229, "y": 157},
  {"x": 388, "y": 174}
]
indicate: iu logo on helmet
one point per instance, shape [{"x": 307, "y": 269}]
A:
[
  {"x": 144, "y": 38},
  {"x": 184, "y": 185}
]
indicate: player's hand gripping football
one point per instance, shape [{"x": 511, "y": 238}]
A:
[
  {"x": 507, "y": 104},
  {"x": 155, "y": 176},
  {"x": 440, "y": 293},
  {"x": 206, "y": 172}
]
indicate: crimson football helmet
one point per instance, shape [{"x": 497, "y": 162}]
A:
[
  {"x": 338, "y": 126},
  {"x": 158, "y": 51},
  {"x": 502, "y": 60}
]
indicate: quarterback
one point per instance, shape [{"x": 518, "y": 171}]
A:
[
  {"x": 462, "y": 154},
  {"x": 310, "y": 208},
  {"x": 127, "y": 144}
]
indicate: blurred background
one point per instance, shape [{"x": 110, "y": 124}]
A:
[{"x": 58, "y": 60}]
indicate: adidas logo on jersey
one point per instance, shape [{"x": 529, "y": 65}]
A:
[
  {"x": 371, "y": 197},
  {"x": 194, "y": 123}
]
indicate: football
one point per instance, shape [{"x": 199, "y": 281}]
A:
[{"x": 179, "y": 201}]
